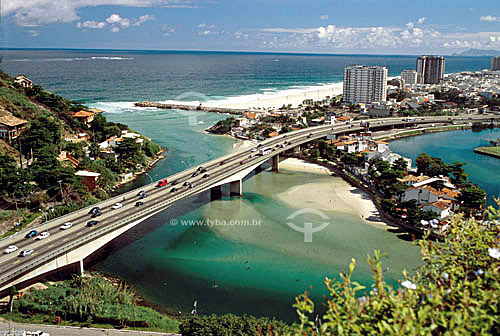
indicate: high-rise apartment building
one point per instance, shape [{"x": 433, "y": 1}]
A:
[
  {"x": 410, "y": 77},
  {"x": 495, "y": 63},
  {"x": 431, "y": 69},
  {"x": 365, "y": 84}
]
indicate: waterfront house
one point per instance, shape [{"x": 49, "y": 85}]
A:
[
  {"x": 24, "y": 81},
  {"x": 11, "y": 127}
]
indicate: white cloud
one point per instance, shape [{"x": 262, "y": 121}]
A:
[
  {"x": 210, "y": 32},
  {"x": 91, "y": 25},
  {"x": 489, "y": 18},
  {"x": 416, "y": 37},
  {"x": 323, "y": 17},
  {"x": 117, "y": 19},
  {"x": 33, "y": 33},
  {"x": 167, "y": 30},
  {"x": 206, "y": 26},
  {"x": 31, "y": 13},
  {"x": 114, "y": 29},
  {"x": 144, "y": 18}
]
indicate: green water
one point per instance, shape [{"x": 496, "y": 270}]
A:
[{"x": 251, "y": 269}]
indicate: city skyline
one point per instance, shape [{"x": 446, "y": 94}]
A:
[{"x": 365, "y": 27}]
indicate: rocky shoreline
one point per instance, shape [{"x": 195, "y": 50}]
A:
[{"x": 191, "y": 108}]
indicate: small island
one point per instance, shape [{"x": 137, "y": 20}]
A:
[{"x": 493, "y": 150}]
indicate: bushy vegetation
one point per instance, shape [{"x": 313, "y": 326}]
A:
[
  {"x": 93, "y": 300},
  {"x": 223, "y": 126},
  {"x": 455, "y": 292},
  {"x": 233, "y": 325}
]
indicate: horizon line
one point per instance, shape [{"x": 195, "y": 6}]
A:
[{"x": 235, "y": 51}]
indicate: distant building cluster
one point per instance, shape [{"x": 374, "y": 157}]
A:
[{"x": 431, "y": 69}]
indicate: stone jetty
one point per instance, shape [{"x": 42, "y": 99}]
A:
[{"x": 191, "y": 108}]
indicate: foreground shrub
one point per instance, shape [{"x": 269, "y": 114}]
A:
[
  {"x": 455, "y": 292},
  {"x": 233, "y": 325}
]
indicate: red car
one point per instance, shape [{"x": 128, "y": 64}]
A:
[
  {"x": 243, "y": 162},
  {"x": 162, "y": 183},
  {"x": 222, "y": 163}
]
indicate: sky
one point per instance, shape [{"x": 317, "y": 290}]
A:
[{"x": 315, "y": 26}]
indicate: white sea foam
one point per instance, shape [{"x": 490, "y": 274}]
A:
[{"x": 71, "y": 59}]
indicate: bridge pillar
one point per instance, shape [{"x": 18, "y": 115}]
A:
[
  {"x": 215, "y": 192},
  {"x": 296, "y": 149},
  {"x": 80, "y": 266},
  {"x": 236, "y": 188},
  {"x": 276, "y": 163}
]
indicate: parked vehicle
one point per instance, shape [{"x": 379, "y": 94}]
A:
[
  {"x": 162, "y": 183},
  {"x": 31, "y": 234},
  {"x": 43, "y": 235},
  {"x": 26, "y": 253},
  {"x": 10, "y": 249},
  {"x": 66, "y": 226},
  {"x": 92, "y": 223}
]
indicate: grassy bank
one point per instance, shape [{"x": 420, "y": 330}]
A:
[
  {"x": 490, "y": 151},
  {"x": 89, "y": 302}
]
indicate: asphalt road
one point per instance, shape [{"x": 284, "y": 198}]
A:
[{"x": 73, "y": 331}]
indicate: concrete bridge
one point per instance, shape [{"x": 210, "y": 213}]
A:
[{"x": 70, "y": 247}]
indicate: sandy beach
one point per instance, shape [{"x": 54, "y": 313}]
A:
[
  {"x": 335, "y": 195},
  {"x": 294, "y": 97}
]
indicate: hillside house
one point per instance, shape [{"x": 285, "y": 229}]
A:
[{"x": 11, "y": 127}]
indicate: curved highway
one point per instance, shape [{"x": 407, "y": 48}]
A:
[{"x": 12, "y": 265}]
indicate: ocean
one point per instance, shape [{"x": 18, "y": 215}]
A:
[{"x": 245, "y": 270}]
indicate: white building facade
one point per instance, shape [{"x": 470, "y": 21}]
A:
[{"x": 365, "y": 84}]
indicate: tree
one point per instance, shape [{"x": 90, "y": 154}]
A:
[
  {"x": 130, "y": 153},
  {"x": 400, "y": 165},
  {"x": 472, "y": 198},
  {"x": 431, "y": 166},
  {"x": 459, "y": 176},
  {"x": 43, "y": 131}
]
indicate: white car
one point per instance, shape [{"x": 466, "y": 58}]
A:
[
  {"x": 116, "y": 206},
  {"x": 42, "y": 235},
  {"x": 37, "y": 333},
  {"x": 26, "y": 253},
  {"x": 10, "y": 249},
  {"x": 66, "y": 226}
]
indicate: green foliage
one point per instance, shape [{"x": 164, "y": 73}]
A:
[
  {"x": 431, "y": 166},
  {"x": 455, "y": 292},
  {"x": 232, "y": 325},
  {"x": 93, "y": 299},
  {"x": 223, "y": 126},
  {"x": 130, "y": 153},
  {"x": 472, "y": 198},
  {"x": 41, "y": 132}
]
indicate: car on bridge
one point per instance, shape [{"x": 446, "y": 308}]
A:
[
  {"x": 243, "y": 162},
  {"x": 140, "y": 193},
  {"x": 92, "y": 223},
  {"x": 116, "y": 206},
  {"x": 143, "y": 195},
  {"x": 96, "y": 214},
  {"x": 66, "y": 226},
  {"x": 31, "y": 234},
  {"x": 205, "y": 176},
  {"x": 10, "y": 249},
  {"x": 138, "y": 204},
  {"x": 161, "y": 183},
  {"x": 94, "y": 210},
  {"x": 222, "y": 163},
  {"x": 26, "y": 253},
  {"x": 173, "y": 190},
  {"x": 194, "y": 174},
  {"x": 43, "y": 235},
  {"x": 174, "y": 182}
]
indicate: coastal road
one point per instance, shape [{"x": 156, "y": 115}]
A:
[
  {"x": 160, "y": 198},
  {"x": 76, "y": 331}
]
